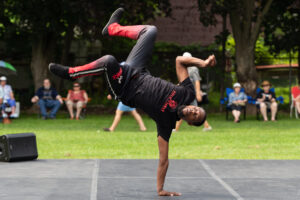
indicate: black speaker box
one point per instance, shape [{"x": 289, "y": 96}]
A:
[{"x": 18, "y": 147}]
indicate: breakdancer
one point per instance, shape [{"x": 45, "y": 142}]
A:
[{"x": 132, "y": 84}]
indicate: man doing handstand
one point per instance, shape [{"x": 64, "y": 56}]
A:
[{"x": 130, "y": 83}]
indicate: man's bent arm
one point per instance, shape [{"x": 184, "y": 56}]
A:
[
  {"x": 163, "y": 147},
  {"x": 182, "y": 63}
]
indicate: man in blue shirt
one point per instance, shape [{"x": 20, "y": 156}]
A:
[{"x": 47, "y": 98}]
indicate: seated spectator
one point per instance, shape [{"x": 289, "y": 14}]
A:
[
  {"x": 267, "y": 100},
  {"x": 296, "y": 96},
  {"x": 8, "y": 96},
  {"x": 76, "y": 98},
  {"x": 47, "y": 98},
  {"x": 237, "y": 100}
]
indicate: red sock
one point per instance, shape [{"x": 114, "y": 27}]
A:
[
  {"x": 89, "y": 70},
  {"x": 132, "y": 32},
  {"x": 85, "y": 67}
]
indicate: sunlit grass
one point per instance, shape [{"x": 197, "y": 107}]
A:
[{"x": 250, "y": 139}]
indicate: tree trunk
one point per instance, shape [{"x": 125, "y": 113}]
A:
[
  {"x": 298, "y": 63},
  {"x": 246, "y": 71},
  {"x": 245, "y": 21},
  {"x": 42, "y": 52},
  {"x": 223, "y": 64}
]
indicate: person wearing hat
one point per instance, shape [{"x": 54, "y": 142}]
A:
[
  {"x": 237, "y": 100},
  {"x": 8, "y": 96},
  {"x": 267, "y": 100}
]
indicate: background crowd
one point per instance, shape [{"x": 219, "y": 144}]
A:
[{"x": 49, "y": 101}]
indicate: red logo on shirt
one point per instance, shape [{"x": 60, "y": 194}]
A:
[
  {"x": 173, "y": 104},
  {"x": 117, "y": 75}
]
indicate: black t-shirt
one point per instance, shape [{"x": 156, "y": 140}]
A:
[
  {"x": 269, "y": 95},
  {"x": 160, "y": 99}
]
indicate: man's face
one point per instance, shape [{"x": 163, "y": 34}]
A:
[
  {"x": 193, "y": 114},
  {"x": 46, "y": 84},
  {"x": 266, "y": 88},
  {"x": 3, "y": 83},
  {"x": 237, "y": 89}
]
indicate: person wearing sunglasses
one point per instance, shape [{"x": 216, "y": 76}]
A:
[{"x": 76, "y": 98}]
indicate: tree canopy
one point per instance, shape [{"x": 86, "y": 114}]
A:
[
  {"x": 246, "y": 18},
  {"x": 46, "y": 24}
]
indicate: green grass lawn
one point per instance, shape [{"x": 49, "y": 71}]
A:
[{"x": 251, "y": 139}]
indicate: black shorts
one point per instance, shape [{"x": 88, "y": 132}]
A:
[{"x": 236, "y": 107}]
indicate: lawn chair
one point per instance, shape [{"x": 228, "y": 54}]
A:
[
  {"x": 279, "y": 100},
  {"x": 295, "y": 90},
  {"x": 84, "y": 110},
  {"x": 225, "y": 102}
]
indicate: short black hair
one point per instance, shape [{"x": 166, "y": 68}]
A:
[
  {"x": 179, "y": 111},
  {"x": 200, "y": 123}
]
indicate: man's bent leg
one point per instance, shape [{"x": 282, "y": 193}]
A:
[
  {"x": 131, "y": 32},
  {"x": 94, "y": 68},
  {"x": 142, "y": 51},
  {"x": 115, "y": 74}
]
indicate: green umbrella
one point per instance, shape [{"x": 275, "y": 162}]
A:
[{"x": 7, "y": 69}]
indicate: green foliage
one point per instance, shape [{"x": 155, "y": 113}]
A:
[
  {"x": 284, "y": 92},
  {"x": 230, "y": 46},
  {"x": 210, "y": 9},
  {"x": 282, "y": 26},
  {"x": 56, "y": 16},
  {"x": 263, "y": 54},
  {"x": 47, "y": 28}
]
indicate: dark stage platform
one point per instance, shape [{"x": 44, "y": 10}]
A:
[{"x": 136, "y": 180}]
